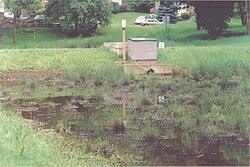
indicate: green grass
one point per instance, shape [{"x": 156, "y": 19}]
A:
[
  {"x": 74, "y": 64},
  {"x": 183, "y": 33},
  {"x": 50, "y": 59},
  {"x": 22, "y": 146},
  {"x": 206, "y": 59}
]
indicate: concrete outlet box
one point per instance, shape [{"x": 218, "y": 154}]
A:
[{"x": 142, "y": 48}]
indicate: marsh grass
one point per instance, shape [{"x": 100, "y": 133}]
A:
[
  {"x": 149, "y": 132},
  {"x": 190, "y": 142},
  {"x": 142, "y": 97}
]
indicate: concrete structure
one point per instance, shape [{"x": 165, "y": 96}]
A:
[
  {"x": 144, "y": 53},
  {"x": 141, "y": 69},
  {"x": 142, "y": 48},
  {"x": 115, "y": 47}
]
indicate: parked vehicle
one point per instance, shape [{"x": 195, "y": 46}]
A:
[
  {"x": 9, "y": 17},
  {"x": 151, "y": 22},
  {"x": 39, "y": 19},
  {"x": 30, "y": 18},
  {"x": 140, "y": 19},
  {"x": 34, "y": 18}
]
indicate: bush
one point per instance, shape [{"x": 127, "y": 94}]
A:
[
  {"x": 123, "y": 8},
  {"x": 152, "y": 10},
  {"x": 185, "y": 15},
  {"x": 116, "y": 7}
]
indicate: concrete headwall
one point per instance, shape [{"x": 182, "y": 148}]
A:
[{"x": 115, "y": 47}]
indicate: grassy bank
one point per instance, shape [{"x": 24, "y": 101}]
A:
[
  {"x": 23, "y": 146},
  {"x": 89, "y": 62}
]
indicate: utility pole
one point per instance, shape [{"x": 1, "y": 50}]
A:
[
  {"x": 14, "y": 27},
  {"x": 1, "y": 17},
  {"x": 248, "y": 16}
]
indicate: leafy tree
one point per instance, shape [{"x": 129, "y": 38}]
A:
[
  {"x": 16, "y": 6},
  {"x": 213, "y": 16},
  {"x": 79, "y": 16}
]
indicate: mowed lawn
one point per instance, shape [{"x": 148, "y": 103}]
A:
[{"x": 183, "y": 33}]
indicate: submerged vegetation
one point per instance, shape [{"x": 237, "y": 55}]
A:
[{"x": 78, "y": 93}]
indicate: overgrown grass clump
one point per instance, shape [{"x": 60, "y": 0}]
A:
[{"x": 73, "y": 64}]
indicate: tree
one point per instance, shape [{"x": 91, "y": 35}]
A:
[
  {"x": 213, "y": 16},
  {"x": 79, "y": 16},
  {"x": 16, "y": 6}
]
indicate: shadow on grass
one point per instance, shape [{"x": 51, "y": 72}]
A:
[
  {"x": 204, "y": 36},
  {"x": 233, "y": 34}
]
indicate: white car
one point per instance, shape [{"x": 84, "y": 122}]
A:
[
  {"x": 9, "y": 17},
  {"x": 140, "y": 19},
  {"x": 151, "y": 22}
]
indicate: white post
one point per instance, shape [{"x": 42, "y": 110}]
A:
[
  {"x": 161, "y": 45},
  {"x": 124, "y": 40}
]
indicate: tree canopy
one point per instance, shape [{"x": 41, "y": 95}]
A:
[
  {"x": 79, "y": 16},
  {"x": 213, "y": 16},
  {"x": 16, "y": 6}
]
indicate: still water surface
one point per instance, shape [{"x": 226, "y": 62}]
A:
[{"x": 153, "y": 142}]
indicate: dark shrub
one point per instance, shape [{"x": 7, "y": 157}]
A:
[{"x": 123, "y": 8}]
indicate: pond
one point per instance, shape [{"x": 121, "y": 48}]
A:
[{"x": 115, "y": 119}]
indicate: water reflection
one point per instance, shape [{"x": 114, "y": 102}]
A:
[{"x": 153, "y": 142}]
